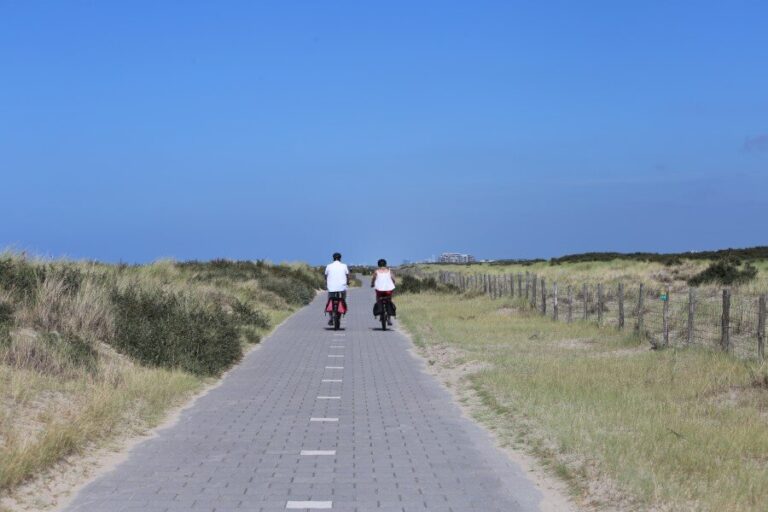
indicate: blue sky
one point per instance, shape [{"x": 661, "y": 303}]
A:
[{"x": 287, "y": 130}]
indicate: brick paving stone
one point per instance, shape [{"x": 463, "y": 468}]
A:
[{"x": 401, "y": 444}]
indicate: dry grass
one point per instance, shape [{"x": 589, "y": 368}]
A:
[
  {"x": 46, "y": 417},
  {"x": 627, "y": 427}
]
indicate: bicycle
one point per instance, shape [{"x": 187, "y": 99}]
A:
[
  {"x": 386, "y": 307},
  {"x": 337, "y": 307}
]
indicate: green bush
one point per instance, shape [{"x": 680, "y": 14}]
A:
[
  {"x": 726, "y": 271},
  {"x": 250, "y": 321},
  {"x": 162, "y": 329},
  {"x": 410, "y": 284},
  {"x": 247, "y": 316},
  {"x": 292, "y": 290},
  {"x": 6, "y": 314},
  {"x": 19, "y": 276}
]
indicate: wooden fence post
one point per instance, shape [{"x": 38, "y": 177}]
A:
[
  {"x": 640, "y": 310},
  {"x": 761, "y": 327},
  {"x": 570, "y": 304},
  {"x": 599, "y": 303},
  {"x": 725, "y": 335},
  {"x": 621, "y": 306},
  {"x": 533, "y": 290},
  {"x": 511, "y": 285},
  {"x": 527, "y": 284},
  {"x": 584, "y": 300},
  {"x": 519, "y": 285},
  {"x": 554, "y": 302},
  {"x": 543, "y": 297},
  {"x": 691, "y": 314},
  {"x": 665, "y": 319}
]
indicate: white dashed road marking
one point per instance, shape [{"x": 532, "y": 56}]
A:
[
  {"x": 318, "y": 452},
  {"x": 329, "y": 398},
  {"x": 331, "y": 380},
  {"x": 324, "y": 420},
  {"x": 309, "y": 504}
]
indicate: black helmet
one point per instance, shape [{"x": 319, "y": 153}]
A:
[
  {"x": 337, "y": 256},
  {"x": 382, "y": 262}
]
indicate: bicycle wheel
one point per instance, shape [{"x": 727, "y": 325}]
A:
[{"x": 336, "y": 322}]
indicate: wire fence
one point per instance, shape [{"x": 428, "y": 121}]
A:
[{"x": 725, "y": 319}]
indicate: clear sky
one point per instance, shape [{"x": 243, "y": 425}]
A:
[{"x": 288, "y": 130}]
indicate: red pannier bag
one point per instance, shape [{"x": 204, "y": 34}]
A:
[{"x": 342, "y": 306}]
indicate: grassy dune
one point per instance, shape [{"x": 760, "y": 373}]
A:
[
  {"x": 607, "y": 272},
  {"x": 90, "y": 352},
  {"x": 626, "y": 426}
]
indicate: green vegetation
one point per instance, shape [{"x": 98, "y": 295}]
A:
[
  {"x": 90, "y": 351},
  {"x": 626, "y": 427},
  {"x": 411, "y": 284},
  {"x": 157, "y": 328},
  {"x": 750, "y": 253},
  {"x": 727, "y": 271}
]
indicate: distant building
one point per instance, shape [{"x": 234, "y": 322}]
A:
[{"x": 455, "y": 257}]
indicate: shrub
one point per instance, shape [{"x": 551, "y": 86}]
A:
[
  {"x": 6, "y": 313},
  {"x": 246, "y": 315},
  {"x": 294, "y": 291},
  {"x": 249, "y": 321},
  {"x": 162, "y": 329},
  {"x": 19, "y": 276},
  {"x": 725, "y": 271},
  {"x": 410, "y": 284}
]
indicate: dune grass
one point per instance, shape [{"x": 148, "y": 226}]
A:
[
  {"x": 668, "y": 430},
  {"x": 45, "y": 418}
]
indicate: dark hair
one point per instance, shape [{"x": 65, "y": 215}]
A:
[
  {"x": 382, "y": 262},
  {"x": 337, "y": 256}
]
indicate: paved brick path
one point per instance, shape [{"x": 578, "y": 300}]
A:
[{"x": 317, "y": 419}]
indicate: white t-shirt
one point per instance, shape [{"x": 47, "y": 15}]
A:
[{"x": 336, "y": 276}]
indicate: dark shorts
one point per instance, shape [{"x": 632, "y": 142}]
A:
[{"x": 380, "y": 294}]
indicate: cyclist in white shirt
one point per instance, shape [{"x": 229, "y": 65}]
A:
[
  {"x": 383, "y": 281},
  {"x": 336, "y": 278}
]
